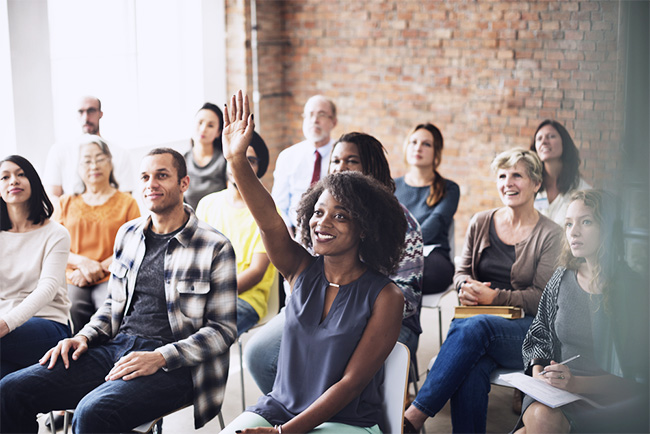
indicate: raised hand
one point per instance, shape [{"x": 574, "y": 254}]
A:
[{"x": 238, "y": 127}]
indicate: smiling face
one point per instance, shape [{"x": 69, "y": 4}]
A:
[
  {"x": 515, "y": 187},
  {"x": 162, "y": 191},
  {"x": 318, "y": 120},
  {"x": 345, "y": 156},
  {"x": 208, "y": 127},
  {"x": 420, "y": 151},
  {"x": 94, "y": 166},
  {"x": 582, "y": 231},
  {"x": 548, "y": 143},
  {"x": 14, "y": 186},
  {"x": 333, "y": 232}
]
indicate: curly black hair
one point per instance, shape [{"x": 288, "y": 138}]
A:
[{"x": 372, "y": 206}]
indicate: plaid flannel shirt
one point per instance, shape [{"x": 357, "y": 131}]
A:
[{"x": 201, "y": 293}]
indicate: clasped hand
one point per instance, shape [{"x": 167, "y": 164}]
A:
[
  {"x": 88, "y": 272},
  {"x": 472, "y": 293}
]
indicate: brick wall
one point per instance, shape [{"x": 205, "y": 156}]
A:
[{"x": 485, "y": 72}]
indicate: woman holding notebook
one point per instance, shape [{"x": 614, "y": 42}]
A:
[
  {"x": 594, "y": 307},
  {"x": 508, "y": 256}
]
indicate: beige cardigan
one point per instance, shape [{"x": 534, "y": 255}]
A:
[{"x": 535, "y": 260}]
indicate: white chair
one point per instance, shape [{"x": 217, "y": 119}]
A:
[
  {"x": 432, "y": 301},
  {"x": 393, "y": 391},
  {"x": 273, "y": 307}
]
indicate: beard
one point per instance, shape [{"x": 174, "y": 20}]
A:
[
  {"x": 313, "y": 135},
  {"x": 90, "y": 128}
]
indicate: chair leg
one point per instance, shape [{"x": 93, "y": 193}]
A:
[
  {"x": 66, "y": 421},
  {"x": 241, "y": 373},
  {"x": 413, "y": 377},
  {"x": 220, "y": 416},
  {"x": 52, "y": 428},
  {"x": 439, "y": 327}
]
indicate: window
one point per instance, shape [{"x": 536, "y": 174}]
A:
[{"x": 152, "y": 63}]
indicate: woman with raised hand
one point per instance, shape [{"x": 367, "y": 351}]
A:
[
  {"x": 508, "y": 256},
  {"x": 357, "y": 152},
  {"x": 433, "y": 200},
  {"x": 344, "y": 315},
  {"x": 92, "y": 218},
  {"x": 561, "y": 161},
  {"x": 205, "y": 163},
  {"x": 34, "y": 305},
  {"x": 596, "y": 307}
]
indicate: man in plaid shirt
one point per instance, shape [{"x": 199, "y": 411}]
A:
[{"x": 161, "y": 340}]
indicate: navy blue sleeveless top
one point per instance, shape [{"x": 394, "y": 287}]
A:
[{"x": 314, "y": 354}]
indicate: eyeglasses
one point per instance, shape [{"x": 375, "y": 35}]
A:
[
  {"x": 253, "y": 160},
  {"x": 97, "y": 161},
  {"x": 319, "y": 116}
]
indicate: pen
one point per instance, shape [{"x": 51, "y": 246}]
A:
[{"x": 562, "y": 363}]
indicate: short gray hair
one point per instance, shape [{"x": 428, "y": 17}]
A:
[{"x": 511, "y": 157}]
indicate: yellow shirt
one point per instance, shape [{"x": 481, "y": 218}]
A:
[
  {"x": 239, "y": 226},
  {"x": 93, "y": 228}
]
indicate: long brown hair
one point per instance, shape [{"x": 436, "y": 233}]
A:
[
  {"x": 610, "y": 253},
  {"x": 438, "y": 188}
]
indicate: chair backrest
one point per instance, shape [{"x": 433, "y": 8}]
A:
[
  {"x": 393, "y": 391},
  {"x": 273, "y": 304}
]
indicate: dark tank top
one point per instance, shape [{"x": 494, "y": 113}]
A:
[{"x": 314, "y": 354}]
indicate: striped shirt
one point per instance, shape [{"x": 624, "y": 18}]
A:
[{"x": 201, "y": 292}]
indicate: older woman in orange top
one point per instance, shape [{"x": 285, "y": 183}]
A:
[{"x": 93, "y": 218}]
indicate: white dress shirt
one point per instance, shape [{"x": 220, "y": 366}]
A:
[{"x": 292, "y": 175}]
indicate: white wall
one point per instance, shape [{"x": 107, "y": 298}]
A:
[{"x": 152, "y": 63}]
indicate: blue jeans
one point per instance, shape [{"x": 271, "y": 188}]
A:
[
  {"x": 263, "y": 349},
  {"x": 473, "y": 349},
  {"x": 247, "y": 317},
  {"x": 101, "y": 406},
  {"x": 26, "y": 344}
]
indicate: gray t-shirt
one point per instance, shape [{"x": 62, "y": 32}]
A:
[
  {"x": 147, "y": 315},
  {"x": 577, "y": 310}
]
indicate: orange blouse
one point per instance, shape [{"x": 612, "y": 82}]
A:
[{"x": 93, "y": 228}]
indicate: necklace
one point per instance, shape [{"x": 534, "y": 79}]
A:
[{"x": 336, "y": 285}]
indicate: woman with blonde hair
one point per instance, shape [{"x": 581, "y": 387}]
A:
[
  {"x": 433, "y": 201},
  {"x": 508, "y": 257}
]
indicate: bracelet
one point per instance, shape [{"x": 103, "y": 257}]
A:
[{"x": 279, "y": 428}]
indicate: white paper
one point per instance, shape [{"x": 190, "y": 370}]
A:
[{"x": 543, "y": 392}]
